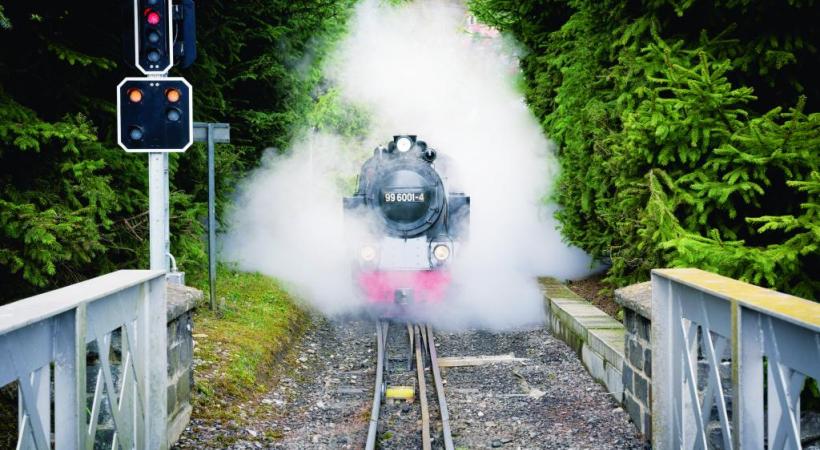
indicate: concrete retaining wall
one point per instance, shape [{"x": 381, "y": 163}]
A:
[{"x": 597, "y": 338}]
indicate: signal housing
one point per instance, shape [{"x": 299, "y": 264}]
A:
[
  {"x": 153, "y": 36},
  {"x": 159, "y": 119}
]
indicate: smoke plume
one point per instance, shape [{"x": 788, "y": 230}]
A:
[{"x": 420, "y": 68}]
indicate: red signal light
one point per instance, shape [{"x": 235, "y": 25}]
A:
[{"x": 153, "y": 17}]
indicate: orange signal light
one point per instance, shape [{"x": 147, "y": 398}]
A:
[
  {"x": 173, "y": 95},
  {"x": 135, "y": 95}
]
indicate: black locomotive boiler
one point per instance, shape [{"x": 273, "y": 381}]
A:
[{"x": 415, "y": 220}]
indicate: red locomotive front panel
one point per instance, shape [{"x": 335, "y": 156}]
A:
[{"x": 408, "y": 287}]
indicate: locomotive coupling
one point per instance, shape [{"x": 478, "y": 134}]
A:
[{"x": 403, "y": 297}]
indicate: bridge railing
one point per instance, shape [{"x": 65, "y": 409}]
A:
[
  {"x": 43, "y": 348},
  {"x": 729, "y": 353}
]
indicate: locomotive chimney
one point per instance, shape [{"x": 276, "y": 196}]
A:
[{"x": 429, "y": 155}]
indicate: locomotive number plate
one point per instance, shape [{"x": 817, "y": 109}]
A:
[{"x": 403, "y": 197}]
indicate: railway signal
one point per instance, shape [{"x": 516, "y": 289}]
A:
[
  {"x": 154, "y": 115},
  {"x": 152, "y": 49}
]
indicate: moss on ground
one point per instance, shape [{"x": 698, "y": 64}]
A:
[{"x": 237, "y": 348}]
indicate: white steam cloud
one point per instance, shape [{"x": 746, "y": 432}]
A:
[{"x": 418, "y": 70}]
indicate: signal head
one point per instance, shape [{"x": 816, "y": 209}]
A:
[
  {"x": 154, "y": 114},
  {"x": 153, "y": 36}
]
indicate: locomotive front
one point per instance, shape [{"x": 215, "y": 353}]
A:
[{"x": 414, "y": 223}]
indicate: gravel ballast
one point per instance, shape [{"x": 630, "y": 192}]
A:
[{"x": 323, "y": 399}]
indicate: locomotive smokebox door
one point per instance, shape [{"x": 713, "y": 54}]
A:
[{"x": 404, "y": 297}]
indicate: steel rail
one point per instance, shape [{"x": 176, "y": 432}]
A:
[
  {"x": 420, "y": 337},
  {"x": 442, "y": 402},
  {"x": 377, "y": 390},
  {"x": 425, "y": 410}
]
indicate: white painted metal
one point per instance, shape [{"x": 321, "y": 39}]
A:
[
  {"x": 665, "y": 421},
  {"x": 404, "y": 254},
  {"x": 158, "y": 214},
  {"x": 693, "y": 325},
  {"x": 53, "y": 329}
]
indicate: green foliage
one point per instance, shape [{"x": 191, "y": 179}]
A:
[
  {"x": 685, "y": 131},
  {"x": 237, "y": 347},
  {"x": 72, "y": 204},
  {"x": 5, "y": 23},
  {"x": 55, "y": 205},
  {"x": 331, "y": 114}
]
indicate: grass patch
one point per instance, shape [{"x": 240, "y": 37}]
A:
[{"x": 237, "y": 348}]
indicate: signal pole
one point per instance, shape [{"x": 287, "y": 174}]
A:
[
  {"x": 158, "y": 210},
  {"x": 212, "y": 133}
]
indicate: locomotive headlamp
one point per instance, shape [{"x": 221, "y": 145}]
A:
[
  {"x": 367, "y": 253},
  {"x": 441, "y": 252},
  {"x": 404, "y": 144}
]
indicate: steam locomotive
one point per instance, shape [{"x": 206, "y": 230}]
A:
[{"x": 414, "y": 220}]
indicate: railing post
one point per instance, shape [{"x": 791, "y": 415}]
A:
[
  {"x": 663, "y": 351},
  {"x": 747, "y": 378},
  {"x": 69, "y": 379},
  {"x": 153, "y": 338},
  {"x": 688, "y": 424}
]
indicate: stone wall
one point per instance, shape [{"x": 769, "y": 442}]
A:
[
  {"x": 597, "y": 338},
  {"x": 636, "y": 301},
  {"x": 181, "y": 302}
]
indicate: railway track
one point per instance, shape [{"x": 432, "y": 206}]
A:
[{"x": 419, "y": 353}]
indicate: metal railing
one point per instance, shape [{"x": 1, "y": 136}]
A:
[
  {"x": 43, "y": 345},
  {"x": 729, "y": 362}
]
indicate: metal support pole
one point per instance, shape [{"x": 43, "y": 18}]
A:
[
  {"x": 158, "y": 210},
  {"x": 212, "y": 134},
  {"x": 211, "y": 217}
]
